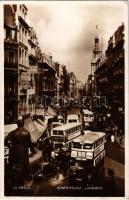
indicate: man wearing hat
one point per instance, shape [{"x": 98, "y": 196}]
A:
[{"x": 19, "y": 142}]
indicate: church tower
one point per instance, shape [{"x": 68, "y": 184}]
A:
[{"x": 96, "y": 53}]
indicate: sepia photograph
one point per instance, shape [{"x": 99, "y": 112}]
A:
[{"x": 64, "y": 98}]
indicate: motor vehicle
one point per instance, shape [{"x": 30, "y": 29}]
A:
[
  {"x": 62, "y": 136},
  {"x": 88, "y": 118},
  {"x": 72, "y": 118},
  {"x": 87, "y": 157}
]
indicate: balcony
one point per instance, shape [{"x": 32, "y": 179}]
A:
[{"x": 23, "y": 22}]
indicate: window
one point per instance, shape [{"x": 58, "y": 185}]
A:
[
  {"x": 25, "y": 57},
  {"x": 25, "y": 36},
  {"x": 11, "y": 57},
  {"x": 77, "y": 145},
  {"x": 8, "y": 34},
  {"x": 57, "y": 132},
  {"x": 87, "y": 146},
  {"x": 20, "y": 32},
  {"x": 13, "y": 34},
  {"x": 58, "y": 146},
  {"x": 66, "y": 133},
  {"x": 20, "y": 55}
]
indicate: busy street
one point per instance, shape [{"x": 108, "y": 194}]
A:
[
  {"x": 64, "y": 100},
  {"x": 49, "y": 176}
]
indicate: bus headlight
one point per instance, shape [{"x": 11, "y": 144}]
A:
[
  {"x": 89, "y": 155},
  {"x": 74, "y": 154}
]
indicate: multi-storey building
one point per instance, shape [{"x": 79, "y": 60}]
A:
[
  {"x": 47, "y": 78},
  {"x": 10, "y": 65},
  {"x": 20, "y": 48},
  {"x": 110, "y": 73},
  {"x": 97, "y": 53},
  {"x": 33, "y": 69},
  {"x": 88, "y": 85},
  {"x": 59, "y": 77},
  {"x": 79, "y": 89},
  {"x": 23, "y": 68},
  {"x": 72, "y": 84}
]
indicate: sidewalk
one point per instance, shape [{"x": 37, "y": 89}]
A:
[
  {"x": 120, "y": 143},
  {"x": 119, "y": 170},
  {"x": 117, "y": 167},
  {"x": 36, "y": 157}
]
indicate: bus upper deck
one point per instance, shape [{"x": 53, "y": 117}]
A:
[
  {"x": 90, "y": 137},
  {"x": 64, "y": 135},
  {"x": 89, "y": 146}
]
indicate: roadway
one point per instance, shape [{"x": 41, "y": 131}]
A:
[{"x": 58, "y": 185}]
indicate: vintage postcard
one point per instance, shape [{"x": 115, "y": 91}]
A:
[{"x": 65, "y": 83}]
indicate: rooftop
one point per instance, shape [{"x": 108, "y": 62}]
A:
[
  {"x": 89, "y": 137},
  {"x": 66, "y": 126}
]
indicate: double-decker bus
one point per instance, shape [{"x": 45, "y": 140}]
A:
[
  {"x": 87, "y": 156},
  {"x": 72, "y": 118},
  {"x": 62, "y": 136},
  {"x": 88, "y": 118}
]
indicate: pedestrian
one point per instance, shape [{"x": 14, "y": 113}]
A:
[
  {"x": 112, "y": 138},
  {"x": 20, "y": 142},
  {"x": 53, "y": 156},
  {"x": 120, "y": 139}
]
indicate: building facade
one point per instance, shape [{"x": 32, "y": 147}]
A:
[
  {"x": 109, "y": 74},
  {"x": 97, "y": 53},
  {"x": 47, "y": 78},
  {"x": 72, "y": 85},
  {"x": 10, "y": 65},
  {"x": 27, "y": 72}
]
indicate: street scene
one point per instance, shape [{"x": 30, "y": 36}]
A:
[{"x": 64, "y": 112}]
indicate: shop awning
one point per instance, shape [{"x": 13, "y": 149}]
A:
[
  {"x": 51, "y": 112},
  {"x": 47, "y": 118},
  {"x": 32, "y": 129},
  {"x": 8, "y": 128},
  {"x": 40, "y": 127},
  {"x": 40, "y": 111},
  {"x": 41, "y": 122}
]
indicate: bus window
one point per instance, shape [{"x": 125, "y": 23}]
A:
[
  {"x": 57, "y": 132},
  {"x": 87, "y": 146},
  {"x": 58, "y": 145},
  {"x": 77, "y": 145},
  {"x": 66, "y": 133},
  {"x": 72, "y": 120}
]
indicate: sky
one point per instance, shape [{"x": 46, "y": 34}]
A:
[{"x": 67, "y": 29}]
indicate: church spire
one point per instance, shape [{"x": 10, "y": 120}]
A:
[{"x": 96, "y": 52}]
